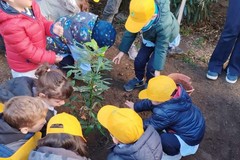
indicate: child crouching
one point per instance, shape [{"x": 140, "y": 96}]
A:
[
  {"x": 64, "y": 140},
  {"x": 132, "y": 141},
  {"x": 180, "y": 123}
]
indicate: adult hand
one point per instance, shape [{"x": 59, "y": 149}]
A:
[
  {"x": 58, "y": 29},
  {"x": 58, "y": 59},
  {"x": 156, "y": 73},
  {"x": 118, "y": 58},
  {"x": 130, "y": 104}
]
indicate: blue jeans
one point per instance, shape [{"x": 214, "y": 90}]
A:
[
  {"x": 144, "y": 58},
  {"x": 228, "y": 43},
  {"x": 110, "y": 9}
]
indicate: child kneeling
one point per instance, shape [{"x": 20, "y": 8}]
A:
[
  {"x": 180, "y": 123},
  {"x": 126, "y": 129},
  {"x": 64, "y": 140}
]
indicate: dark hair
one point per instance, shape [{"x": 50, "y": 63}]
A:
[
  {"x": 53, "y": 83},
  {"x": 66, "y": 141}
]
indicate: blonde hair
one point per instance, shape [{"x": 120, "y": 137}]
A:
[
  {"x": 24, "y": 111},
  {"x": 53, "y": 83}
]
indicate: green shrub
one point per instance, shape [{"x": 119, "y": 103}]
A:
[
  {"x": 195, "y": 10},
  {"x": 92, "y": 84}
]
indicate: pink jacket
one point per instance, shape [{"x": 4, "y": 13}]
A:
[{"x": 25, "y": 38}]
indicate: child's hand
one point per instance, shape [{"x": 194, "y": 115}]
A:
[
  {"x": 156, "y": 73},
  {"x": 118, "y": 58},
  {"x": 58, "y": 29},
  {"x": 83, "y": 5},
  {"x": 130, "y": 104},
  {"x": 58, "y": 59}
]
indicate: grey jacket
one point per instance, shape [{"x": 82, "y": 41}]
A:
[
  {"x": 9, "y": 134},
  {"x": 148, "y": 147},
  {"x": 50, "y": 153},
  {"x": 54, "y": 9}
]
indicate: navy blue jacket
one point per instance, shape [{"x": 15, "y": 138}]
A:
[
  {"x": 19, "y": 86},
  {"x": 148, "y": 147},
  {"x": 177, "y": 114}
]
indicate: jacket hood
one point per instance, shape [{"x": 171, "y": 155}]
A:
[
  {"x": 7, "y": 133},
  {"x": 180, "y": 103},
  {"x": 49, "y": 153},
  {"x": 6, "y": 11},
  {"x": 147, "y": 147}
]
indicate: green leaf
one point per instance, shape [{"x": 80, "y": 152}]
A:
[
  {"x": 89, "y": 129},
  {"x": 102, "y": 131}
]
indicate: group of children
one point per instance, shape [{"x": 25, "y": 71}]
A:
[{"x": 176, "y": 126}]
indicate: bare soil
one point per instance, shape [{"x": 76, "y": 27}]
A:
[{"x": 218, "y": 100}]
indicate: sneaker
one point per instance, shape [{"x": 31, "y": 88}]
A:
[
  {"x": 212, "y": 75},
  {"x": 231, "y": 78},
  {"x": 175, "y": 50},
  {"x": 133, "y": 51},
  {"x": 132, "y": 84}
]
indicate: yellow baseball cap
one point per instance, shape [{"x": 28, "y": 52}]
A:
[
  {"x": 123, "y": 123},
  {"x": 140, "y": 12},
  {"x": 1, "y": 107},
  {"x": 159, "y": 89},
  {"x": 70, "y": 125}
]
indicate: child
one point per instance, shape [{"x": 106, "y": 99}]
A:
[
  {"x": 22, "y": 116},
  {"x": 64, "y": 140},
  {"x": 159, "y": 28},
  {"x": 172, "y": 111},
  {"x": 79, "y": 29},
  {"x": 126, "y": 129},
  {"x": 24, "y": 31},
  {"x": 51, "y": 86},
  {"x": 52, "y": 10}
]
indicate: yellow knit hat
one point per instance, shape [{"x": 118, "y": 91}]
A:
[
  {"x": 123, "y": 123},
  {"x": 159, "y": 89}
]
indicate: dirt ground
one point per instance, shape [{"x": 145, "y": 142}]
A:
[{"x": 218, "y": 100}]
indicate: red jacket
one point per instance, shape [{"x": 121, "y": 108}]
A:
[{"x": 25, "y": 38}]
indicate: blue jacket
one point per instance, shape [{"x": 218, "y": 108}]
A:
[
  {"x": 19, "y": 86},
  {"x": 148, "y": 147},
  {"x": 77, "y": 28},
  {"x": 177, "y": 114}
]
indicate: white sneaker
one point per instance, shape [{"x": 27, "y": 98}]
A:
[
  {"x": 167, "y": 157},
  {"x": 133, "y": 51}
]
